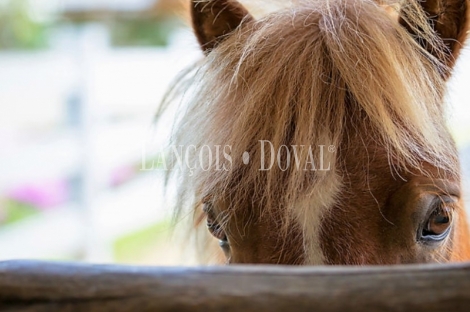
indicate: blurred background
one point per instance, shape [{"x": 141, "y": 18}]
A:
[{"x": 80, "y": 82}]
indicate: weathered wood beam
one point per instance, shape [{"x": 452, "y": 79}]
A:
[{"x": 39, "y": 286}]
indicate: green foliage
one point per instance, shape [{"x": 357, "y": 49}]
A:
[
  {"x": 135, "y": 246},
  {"x": 157, "y": 162},
  {"x": 14, "y": 212},
  {"x": 18, "y": 30},
  {"x": 143, "y": 32}
]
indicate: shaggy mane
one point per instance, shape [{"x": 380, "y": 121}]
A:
[{"x": 297, "y": 77}]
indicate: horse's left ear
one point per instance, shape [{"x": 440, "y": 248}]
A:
[
  {"x": 213, "y": 20},
  {"x": 450, "y": 19}
]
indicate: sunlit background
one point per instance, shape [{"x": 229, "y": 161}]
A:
[{"x": 80, "y": 82}]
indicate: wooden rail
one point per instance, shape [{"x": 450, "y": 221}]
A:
[{"x": 40, "y": 286}]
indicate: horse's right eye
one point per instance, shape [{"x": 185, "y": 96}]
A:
[
  {"x": 216, "y": 230},
  {"x": 213, "y": 224}
]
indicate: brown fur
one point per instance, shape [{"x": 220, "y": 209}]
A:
[
  {"x": 212, "y": 22},
  {"x": 450, "y": 21},
  {"x": 339, "y": 73}
]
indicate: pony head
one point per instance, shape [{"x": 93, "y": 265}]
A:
[{"x": 318, "y": 133}]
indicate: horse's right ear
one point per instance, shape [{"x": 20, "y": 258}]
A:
[{"x": 213, "y": 20}]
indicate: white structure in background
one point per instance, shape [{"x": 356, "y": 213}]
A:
[{"x": 119, "y": 91}]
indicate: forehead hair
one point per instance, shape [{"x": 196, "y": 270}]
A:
[{"x": 299, "y": 77}]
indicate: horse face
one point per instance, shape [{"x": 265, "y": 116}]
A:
[
  {"x": 382, "y": 218},
  {"x": 394, "y": 217},
  {"x": 370, "y": 210}
]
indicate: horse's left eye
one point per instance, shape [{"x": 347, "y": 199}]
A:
[{"x": 438, "y": 224}]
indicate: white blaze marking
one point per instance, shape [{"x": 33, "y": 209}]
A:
[{"x": 310, "y": 212}]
